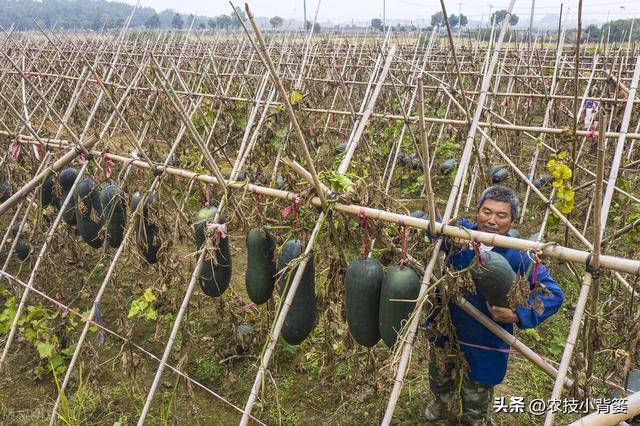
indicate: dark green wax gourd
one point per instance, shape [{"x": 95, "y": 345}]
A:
[
  {"x": 88, "y": 212},
  {"x": 301, "y": 317},
  {"x": 261, "y": 268},
  {"x": 5, "y": 190},
  {"x": 493, "y": 279},
  {"x": 215, "y": 274},
  {"x": 48, "y": 196},
  {"x": 362, "y": 282},
  {"x": 148, "y": 233},
  {"x": 66, "y": 178},
  {"x": 22, "y": 248},
  {"x": 114, "y": 213},
  {"x": 400, "y": 283}
]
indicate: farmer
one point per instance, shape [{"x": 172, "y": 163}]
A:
[{"x": 485, "y": 354}]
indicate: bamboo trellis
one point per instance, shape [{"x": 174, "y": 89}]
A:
[{"x": 58, "y": 88}]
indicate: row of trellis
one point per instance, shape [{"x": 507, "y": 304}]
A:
[{"x": 105, "y": 102}]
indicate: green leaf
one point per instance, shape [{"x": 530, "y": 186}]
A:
[
  {"x": 149, "y": 296},
  {"x": 532, "y": 332},
  {"x": 341, "y": 183},
  {"x": 151, "y": 314},
  {"x": 45, "y": 349},
  {"x": 295, "y": 97}
]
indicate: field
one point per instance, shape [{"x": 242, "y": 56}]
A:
[{"x": 107, "y": 316}]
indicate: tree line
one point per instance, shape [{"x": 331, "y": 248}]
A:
[{"x": 102, "y": 14}]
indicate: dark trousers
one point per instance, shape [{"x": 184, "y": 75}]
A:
[{"x": 475, "y": 398}]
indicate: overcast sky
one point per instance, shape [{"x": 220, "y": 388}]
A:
[{"x": 360, "y": 10}]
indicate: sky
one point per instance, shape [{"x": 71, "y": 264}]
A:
[{"x": 343, "y": 11}]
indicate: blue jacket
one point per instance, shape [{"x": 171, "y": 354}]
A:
[{"x": 490, "y": 366}]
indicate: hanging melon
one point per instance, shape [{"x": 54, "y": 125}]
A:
[
  {"x": 22, "y": 248},
  {"x": 88, "y": 212},
  {"x": 400, "y": 289},
  {"x": 301, "y": 317},
  {"x": 114, "y": 213},
  {"x": 215, "y": 274},
  {"x": 261, "y": 269},
  {"x": 147, "y": 231},
  {"x": 5, "y": 190},
  {"x": 47, "y": 193},
  {"x": 66, "y": 178},
  {"x": 362, "y": 282}
]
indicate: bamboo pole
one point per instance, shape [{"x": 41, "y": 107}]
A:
[
  {"x": 613, "y": 263},
  {"x": 600, "y": 419},
  {"x": 426, "y": 160},
  {"x": 591, "y": 320}
]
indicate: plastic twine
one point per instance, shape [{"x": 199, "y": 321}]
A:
[
  {"x": 219, "y": 231},
  {"x": 15, "y": 148},
  {"x": 292, "y": 208},
  {"x": 108, "y": 165}
]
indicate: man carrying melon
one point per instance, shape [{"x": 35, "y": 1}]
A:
[{"x": 503, "y": 288}]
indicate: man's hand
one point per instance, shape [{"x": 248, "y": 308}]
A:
[
  {"x": 500, "y": 314},
  {"x": 460, "y": 243}
]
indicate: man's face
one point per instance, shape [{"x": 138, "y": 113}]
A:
[{"x": 494, "y": 217}]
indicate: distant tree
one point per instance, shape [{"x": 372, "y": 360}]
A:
[
  {"x": 316, "y": 27},
  {"x": 593, "y": 32},
  {"x": 501, "y": 14},
  {"x": 153, "y": 21},
  {"x": 453, "y": 21},
  {"x": 202, "y": 25},
  {"x": 376, "y": 24},
  {"x": 177, "y": 22},
  {"x": 98, "y": 20},
  {"x": 224, "y": 21},
  {"x": 190, "y": 20},
  {"x": 234, "y": 18},
  {"x": 437, "y": 19},
  {"x": 618, "y": 30},
  {"x": 463, "y": 20},
  {"x": 276, "y": 21},
  {"x": 212, "y": 23}
]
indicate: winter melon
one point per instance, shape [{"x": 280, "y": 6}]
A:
[
  {"x": 66, "y": 178},
  {"x": 493, "y": 279},
  {"x": 362, "y": 282},
  {"x": 88, "y": 212},
  {"x": 400, "y": 289},
  {"x": 301, "y": 317},
  {"x": 261, "y": 268},
  {"x": 147, "y": 231},
  {"x": 215, "y": 274},
  {"x": 114, "y": 213}
]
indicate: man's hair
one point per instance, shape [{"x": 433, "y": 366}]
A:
[{"x": 503, "y": 194}]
